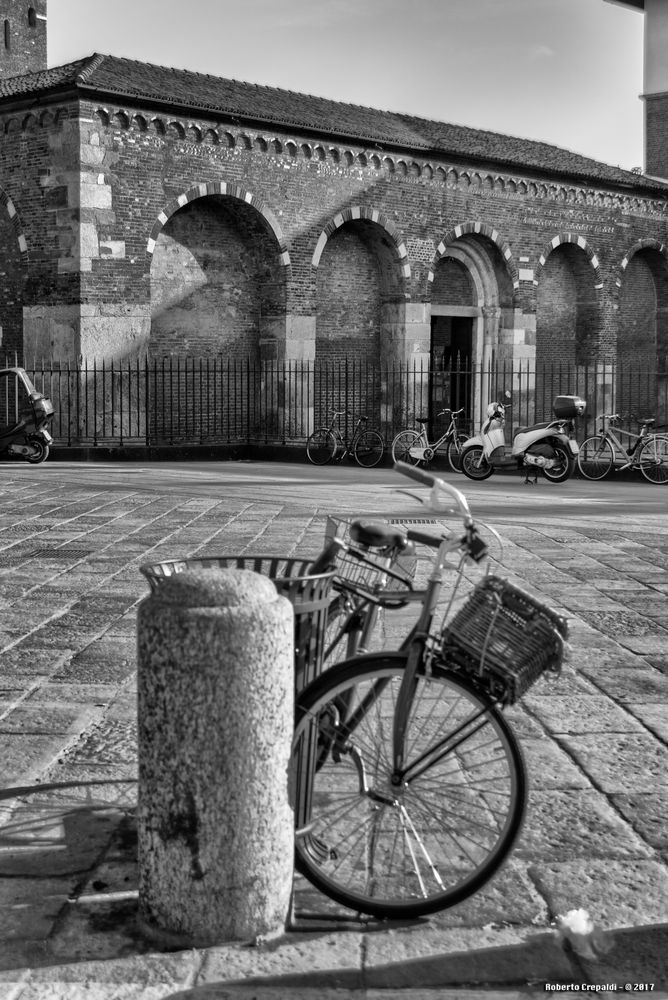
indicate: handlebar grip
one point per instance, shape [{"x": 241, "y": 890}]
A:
[{"x": 417, "y": 474}]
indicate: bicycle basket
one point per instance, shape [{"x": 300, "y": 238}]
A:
[
  {"x": 504, "y": 639},
  {"x": 309, "y": 595},
  {"x": 366, "y": 572}
]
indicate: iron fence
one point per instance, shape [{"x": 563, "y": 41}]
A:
[{"x": 211, "y": 401}]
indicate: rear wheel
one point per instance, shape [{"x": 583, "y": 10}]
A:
[
  {"x": 402, "y": 444},
  {"x": 368, "y": 449},
  {"x": 321, "y": 446},
  {"x": 654, "y": 460},
  {"x": 475, "y": 465},
  {"x": 398, "y": 846},
  {"x": 40, "y": 450},
  {"x": 564, "y": 467},
  {"x": 596, "y": 457},
  {"x": 455, "y": 451}
]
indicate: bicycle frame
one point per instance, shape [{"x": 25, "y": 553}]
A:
[
  {"x": 346, "y": 444},
  {"x": 451, "y": 431},
  {"x": 609, "y": 433}
]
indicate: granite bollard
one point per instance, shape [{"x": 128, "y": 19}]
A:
[{"x": 215, "y": 719}]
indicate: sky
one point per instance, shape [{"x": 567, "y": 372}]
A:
[{"x": 568, "y": 72}]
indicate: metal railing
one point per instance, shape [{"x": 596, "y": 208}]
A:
[{"x": 170, "y": 401}]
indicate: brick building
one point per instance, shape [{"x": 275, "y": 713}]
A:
[{"x": 151, "y": 209}]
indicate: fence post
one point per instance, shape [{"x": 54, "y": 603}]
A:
[{"x": 215, "y": 720}]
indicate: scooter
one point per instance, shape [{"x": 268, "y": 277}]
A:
[
  {"x": 24, "y": 416},
  {"x": 549, "y": 446}
]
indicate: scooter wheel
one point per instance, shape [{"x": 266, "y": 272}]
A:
[
  {"x": 560, "y": 473},
  {"x": 475, "y": 465},
  {"x": 40, "y": 451}
]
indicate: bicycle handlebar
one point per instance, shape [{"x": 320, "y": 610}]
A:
[{"x": 437, "y": 485}]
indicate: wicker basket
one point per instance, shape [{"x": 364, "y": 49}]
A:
[
  {"x": 504, "y": 639},
  {"x": 366, "y": 572},
  {"x": 309, "y": 595}
]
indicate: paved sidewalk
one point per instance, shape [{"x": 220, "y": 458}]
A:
[{"x": 595, "y": 741}]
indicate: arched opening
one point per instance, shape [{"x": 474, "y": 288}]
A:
[
  {"x": 642, "y": 338},
  {"x": 471, "y": 301},
  {"x": 358, "y": 288},
  {"x": 217, "y": 289},
  {"x": 567, "y": 324}
]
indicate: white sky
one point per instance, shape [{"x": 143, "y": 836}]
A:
[{"x": 565, "y": 71}]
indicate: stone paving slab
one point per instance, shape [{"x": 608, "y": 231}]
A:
[{"x": 595, "y": 742}]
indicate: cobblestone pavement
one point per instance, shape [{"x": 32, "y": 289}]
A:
[{"x": 595, "y": 741}]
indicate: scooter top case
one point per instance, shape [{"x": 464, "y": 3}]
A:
[{"x": 21, "y": 405}]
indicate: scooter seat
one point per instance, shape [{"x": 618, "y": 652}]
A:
[{"x": 533, "y": 427}]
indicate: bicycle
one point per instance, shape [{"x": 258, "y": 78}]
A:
[
  {"x": 365, "y": 446},
  {"x": 647, "y": 453},
  {"x": 414, "y": 447},
  {"x": 412, "y": 784}
]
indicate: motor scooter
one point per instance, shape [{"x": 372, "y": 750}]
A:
[
  {"x": 549, "y": 447},
  {"x": 24, "y": 417}
]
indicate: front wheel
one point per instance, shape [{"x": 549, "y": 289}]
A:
[
  {"x": 564, "y": 467},
  {"x": 475, "y": 465},
  {"x": 402, "y": 445},
  {"x": 455, "y": 451},
  {"x": 40, "y": 450},
  {"x": 368, "y": 449},
  {"x": 321, "y": 447},
  {"x": 406, "y": 845},
  {"x": 595, "y": 457},
  {"x": 654, "y": 460}
]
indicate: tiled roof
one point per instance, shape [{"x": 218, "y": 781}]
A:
[{"x": 130, "y": 80}]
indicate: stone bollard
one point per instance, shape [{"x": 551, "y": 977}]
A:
[{"x": 215, "y": 721}]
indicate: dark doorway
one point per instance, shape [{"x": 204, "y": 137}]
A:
[{"x": 451, "y": 368}]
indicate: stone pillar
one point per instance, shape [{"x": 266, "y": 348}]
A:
[
  {"x": 287, "y": 355},
  {"x": 215, "y": 722}
]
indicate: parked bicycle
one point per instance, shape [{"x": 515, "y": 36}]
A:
[
  {"x": 413, "y": 784},
  {"x": 646, "y": 452},
  {"x": 414, "y": 447},
  {"x": 328, "y": 443}
]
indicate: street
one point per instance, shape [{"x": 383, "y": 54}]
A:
[{"x": 347, "y": 486}]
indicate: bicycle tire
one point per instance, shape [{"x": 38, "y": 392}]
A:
[
  {"x": 368, "y": 449},
  {"x": 407, "y": 851},
  {"x": 402, "y": 445},
  {"x": 321, "y": 446},
  {"x": 595, "y": 457},
  {"x": 454, "y": 451},
  {"x": 654, "y": 467}
]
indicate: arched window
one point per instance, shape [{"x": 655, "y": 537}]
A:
[
  {"x": 32, "y": 17},
  {"x": 6, "y": 33}
]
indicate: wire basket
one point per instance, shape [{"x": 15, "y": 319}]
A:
[
  {"x": 504, "y": 639},
  {"x": 366, "y": 572},
  {"x": 309, "y": 595}
]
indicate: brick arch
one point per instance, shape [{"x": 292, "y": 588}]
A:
[
  {"x": 646, "y": 244},
  {"x": 354, "y": 213},
  {"x": 9, "y": 207},
  {"x": 477, "y": 229},
  {"x": 231, "y": 191},
  {"x": 578, "y": 241}
]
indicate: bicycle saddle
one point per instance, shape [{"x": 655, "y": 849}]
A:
[
  {"x": 377, "y": 535},
  {"x": 422, "y": 420},
  {"x": 650, "y": 420}
]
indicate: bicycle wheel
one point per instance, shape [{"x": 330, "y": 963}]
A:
[
  {"x": 596, "y": 457},
  {"x": 654, "y": 459},
  {"x": 425, "y": 843},
  {"x": 402, "y": 444},
  {"x": 321, "y": 446},
  {"x": 368, "y": 449},
  {"x": 454, "y": 451}
]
